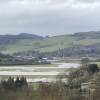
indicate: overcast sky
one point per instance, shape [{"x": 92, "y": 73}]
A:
[{"x": 49, "y": 16}]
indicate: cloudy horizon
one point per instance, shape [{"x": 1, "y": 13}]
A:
[{"x": 49, "y": 17}]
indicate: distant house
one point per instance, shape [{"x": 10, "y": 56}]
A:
[
  {"x": 25, "y": 57},
  {"x": 44, "y": 58}
]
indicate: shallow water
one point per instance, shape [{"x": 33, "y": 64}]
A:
[{"x": 37, "y": 71}]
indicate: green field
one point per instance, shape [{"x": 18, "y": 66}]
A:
[{"x": 48, "y": 44}]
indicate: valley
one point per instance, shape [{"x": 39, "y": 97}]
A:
[{"x": 35, "y": 73}]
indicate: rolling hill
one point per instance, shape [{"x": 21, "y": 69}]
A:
[{"x": 26, "y": 42}]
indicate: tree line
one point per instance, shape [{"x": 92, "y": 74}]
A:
[{"x": 14, "y": 84}]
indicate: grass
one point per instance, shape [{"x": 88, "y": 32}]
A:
[
  {"x": 48, "y": 44},
  {"x": 88, "y": 41}
]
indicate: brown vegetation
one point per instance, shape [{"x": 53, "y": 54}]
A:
[{"x": 20, "y": 90}]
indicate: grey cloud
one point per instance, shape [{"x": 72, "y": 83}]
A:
[
  {"x": 87, "y": 1},
  {"x": 48, "y": 17}
]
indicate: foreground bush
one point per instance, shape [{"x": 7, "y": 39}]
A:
[{"x": 45, "y": 91}]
